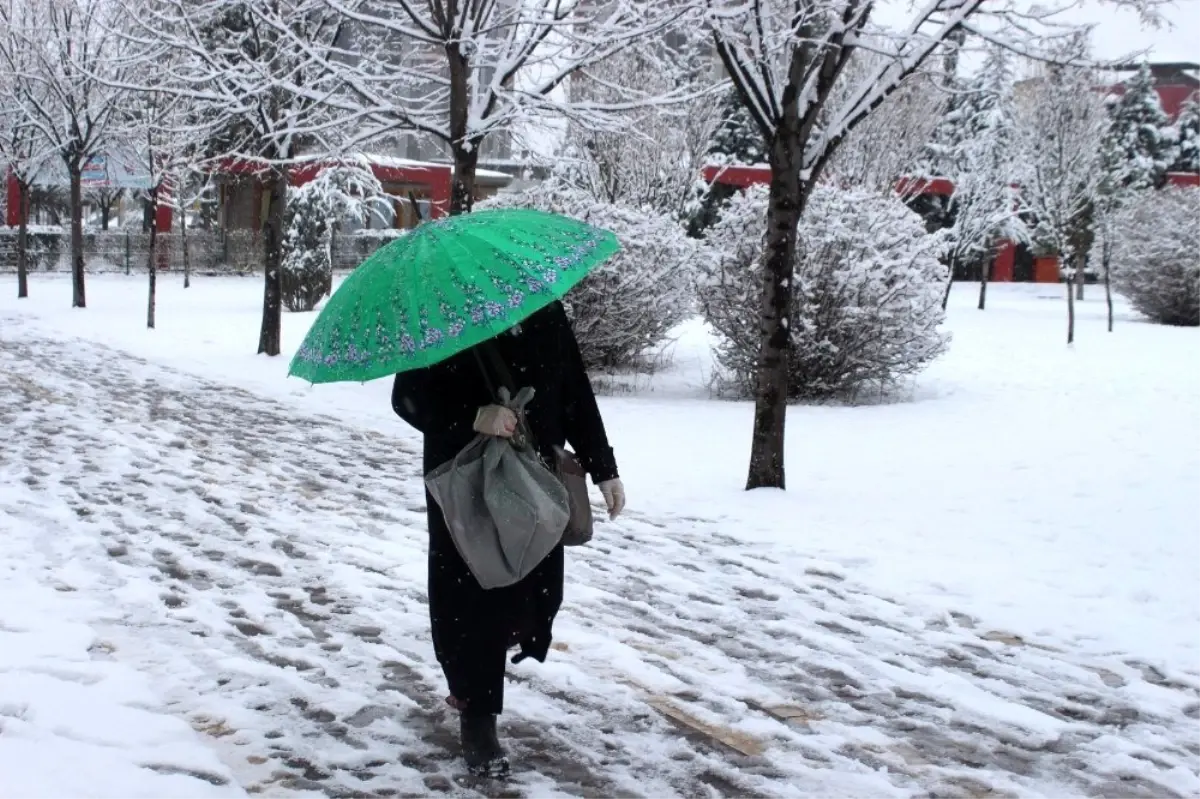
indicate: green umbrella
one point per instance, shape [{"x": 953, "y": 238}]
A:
[{"x": 445, "y": 287}]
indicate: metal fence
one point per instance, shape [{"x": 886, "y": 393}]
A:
[{"x": 210, "y": 252}]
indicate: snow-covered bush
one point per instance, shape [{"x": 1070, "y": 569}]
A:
[
  {"x": 314, "y": 209},
  {"x": 44, "y": 248},
  {"x": 628, "y": 304},
  {"x": 1156, "y": 255},
  {"x": 867, "y": 293}
]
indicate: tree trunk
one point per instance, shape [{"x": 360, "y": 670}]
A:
[
  {"x": 464, "y": 149},
  {"x": 152, "y": 262},
  {"x": 105, "y": 211},
  {"x": 784, "y": 206},
  {"x": 78, "y": 293},
  {"x": 327, "y": 289},
  {"x": 272, "y": 317},
  {"x": 1106, "y": 257},
  {"x": 949, "y": 286},
  {"x": 23, "y": 240},
  {"x": 985, "y": 272},
  {"x": 1080, "y": 242},
  {"x": 183, "y": 243},
  {"x": 1070, "y": 313},
  {"x": 462, "y": 190}
]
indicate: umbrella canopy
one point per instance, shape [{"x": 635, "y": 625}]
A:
[{"x": 445, "y": 287}]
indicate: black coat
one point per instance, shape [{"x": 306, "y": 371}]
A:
[{"x": 473, "y": 628}]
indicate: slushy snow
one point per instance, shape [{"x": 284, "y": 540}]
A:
[{"x": 212, "y": 577}]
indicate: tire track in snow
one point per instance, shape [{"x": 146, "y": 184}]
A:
[{"x": 268, "y": 567}]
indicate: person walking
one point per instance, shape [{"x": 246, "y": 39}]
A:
[{"x": 450, "y": 403}]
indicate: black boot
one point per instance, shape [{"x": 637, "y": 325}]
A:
[{"x": 481, "y": 747}]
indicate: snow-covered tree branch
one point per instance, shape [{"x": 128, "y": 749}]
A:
[
  {"x": 1061, "y": 125},
  {"x": 22, "y": 147},
  {"x": 67, "y": 88},
  {"x": 255, "y": 79},
  {"x": 790, "y": 61},
  {"x": 891, "y": 143},
  {"x": 655, "y": 158},
  {"x": 459, "y": 70},
  {"x": 974, "y": 148}
]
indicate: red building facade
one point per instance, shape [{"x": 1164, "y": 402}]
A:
[{"x": 241, "y": 198}]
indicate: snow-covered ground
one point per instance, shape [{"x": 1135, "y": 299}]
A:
[
  {"x": 990, "y": 585},
  {"x": 74, "y": 720}
]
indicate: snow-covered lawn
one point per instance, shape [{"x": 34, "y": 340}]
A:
[{"x": 993, "y": 583}]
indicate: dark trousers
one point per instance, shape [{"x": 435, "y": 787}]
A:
[{"x": 473, "y": 629}]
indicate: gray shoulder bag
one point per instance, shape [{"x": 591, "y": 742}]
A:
[{"x": 567, "y": 466}]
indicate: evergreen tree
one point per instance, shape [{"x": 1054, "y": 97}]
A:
[
  {"x": 1187, "y": 137},
  {"x": 346, "y": 191},
  {"x": 738, "y": 140},
  {"x": 951, "y": 130},
  {"x": 1142, "y": 131}
]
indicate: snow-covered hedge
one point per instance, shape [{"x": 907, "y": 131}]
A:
[
  {"x": 314, "y": 209},
  {"x": 1156, "y": 255},
  {"x": 867, "y": 293},
  {"x": 45, "y": 247},
  {"x": 631, "y": 302}
]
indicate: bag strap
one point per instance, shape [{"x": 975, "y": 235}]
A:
[
  {"x": 487, "y": 350},
  {"x": 496, "y": 366}
]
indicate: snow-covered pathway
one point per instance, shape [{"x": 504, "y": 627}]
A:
[{"x": 267, "y": 570}]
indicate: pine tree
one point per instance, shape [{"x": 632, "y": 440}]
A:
[
  {"x": 1143, "y": 132},
  {"x": 951, "y": 131},
  {"x": 946, "y": 133},
  {"x": 1187, "y": 137},
  {"x": 738, "y": 140}
]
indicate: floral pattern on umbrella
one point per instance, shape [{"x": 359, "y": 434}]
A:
[{"x": 445, "y": 287}]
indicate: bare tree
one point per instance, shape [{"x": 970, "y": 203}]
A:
[
  {"x": 22, "y": 147},
  {"x": 1060, "y": 130},
  {"x": 656, "y": 156},
  {"x": 255, "y": 77},
  {"x": 976, "y": 151},
  {"x": 789, "y": 61},
  {"x": 104, "y": 197},
  {"x": 162, "y": 132},
  {"x": 69, "y": 91},
  {"x": 458, "y": 71},
  {"x": 891, "y": 143},
  {"x": 192, "y": 187}
]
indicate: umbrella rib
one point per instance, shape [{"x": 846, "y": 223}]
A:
[{"x": 445, "y": 244}]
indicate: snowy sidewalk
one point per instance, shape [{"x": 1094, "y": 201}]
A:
[
  {"x": 73, "y": 721},
  {"x": 266, "y": 572}
]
